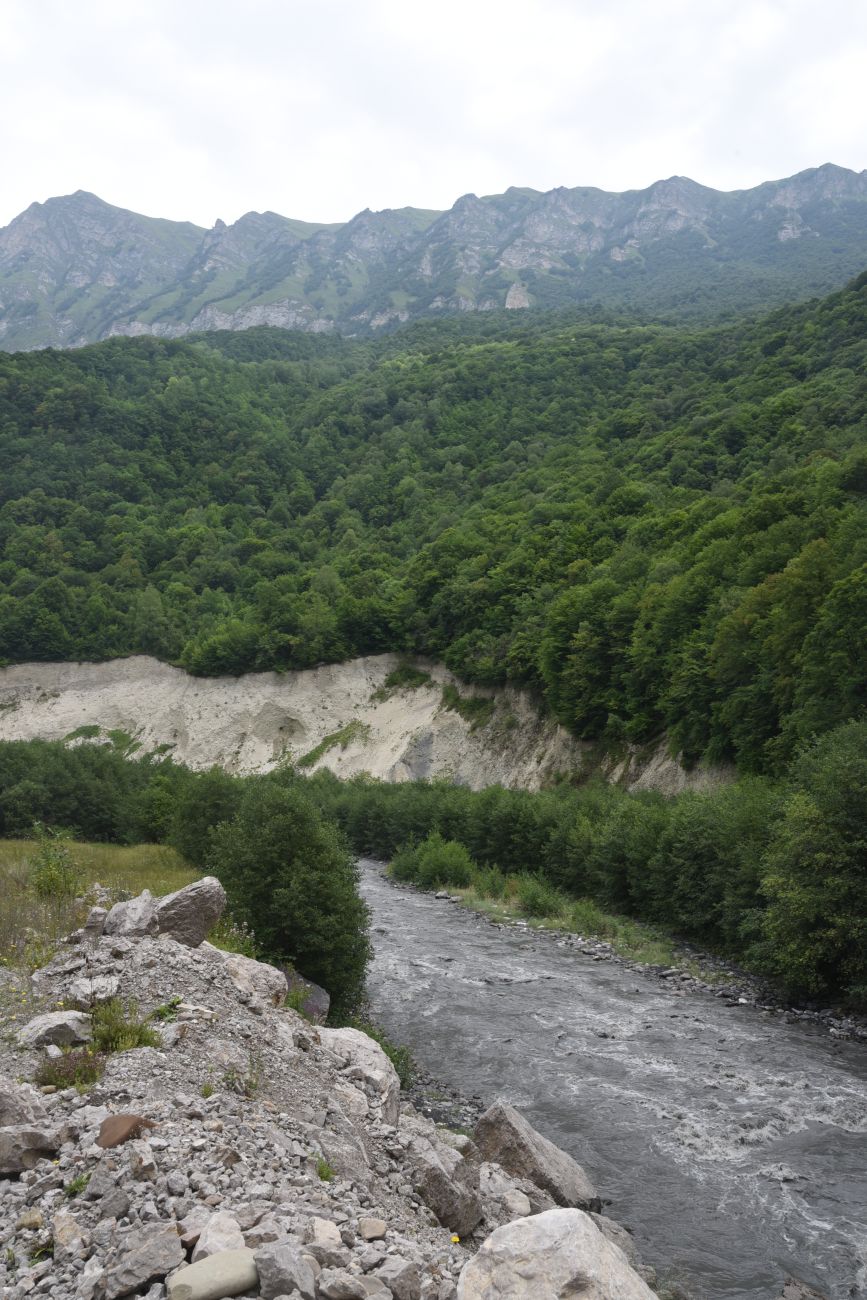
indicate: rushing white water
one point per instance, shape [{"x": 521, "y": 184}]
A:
[{"x": 733, "y": 1143}]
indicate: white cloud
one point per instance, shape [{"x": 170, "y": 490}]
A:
[{"x": 195, "y": 110}]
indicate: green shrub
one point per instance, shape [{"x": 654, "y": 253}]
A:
[
  {"x": 489, "y": 882},
  {"x": 117, "y": 1027},
  {"x": 433, "y": 863},
  {"x": 586, "y": 917},
  {"x": 537, "y": 898}
]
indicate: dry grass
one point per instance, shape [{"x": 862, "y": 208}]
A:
[{"x": 32, "y": 927}]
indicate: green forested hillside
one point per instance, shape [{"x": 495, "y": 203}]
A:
[{"x": 652, "y": 528}]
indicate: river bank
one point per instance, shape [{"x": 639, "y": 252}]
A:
[{"x": 729, "y": 1138}]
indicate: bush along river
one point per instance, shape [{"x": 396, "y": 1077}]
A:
[{"x": 731, "y": 1142}]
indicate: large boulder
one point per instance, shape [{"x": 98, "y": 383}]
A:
[
  {"x": 258, "y": 983},
  {"x": 228, "y": 1273},
  {"x": 134, "y": 919},
  {"x": 447, "y": 1183},
  {"x": 190, "y": 913},
  {"x": 503, "y": 1135},
  {"x": 365, "y": 1063},
  {"x": 551, "y": 1256},
  {"x": 58, "y": 1028}
]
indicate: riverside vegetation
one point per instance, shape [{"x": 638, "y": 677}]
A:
[{"x": 769, "y": 872}]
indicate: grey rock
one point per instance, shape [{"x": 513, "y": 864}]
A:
[
  {"x": 365, "y": 1062},
  {"x": 147, "y": 1254},
  {"x": 504, "y": 1136},
  {"x": 230, "y": 1273},
  {"x": 282, "y": 1269},
  {"x": 134, "y": 918},
  {"x": 337, "y": 1284},
  {"x": 257, "y": 982},
  {"x": 190, "y": 913},
  {"x": 88, "y": 990},
  {"x": 221, "y": 1232},
  {"x": 617, "y": 1233},
  {"x": 63, "y": 1028},
  {"x": 22, "y": 1147},
  {"x": 795, "y": 1290},
  {"x": 550, "y": 1255},
  {"x": 114, "y": 1205},
  {"x": 20, "y": 1104},
  {"x": 372, "y": 1229},
  {"x": 401, "y": 1277}
]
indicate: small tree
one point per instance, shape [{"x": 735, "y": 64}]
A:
[{"x": 289, "y": 877}]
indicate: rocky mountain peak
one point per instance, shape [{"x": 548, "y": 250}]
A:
[{"x": 578, "y": 245}]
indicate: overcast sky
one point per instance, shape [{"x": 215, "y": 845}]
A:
[{"x": 198, "y": 109}]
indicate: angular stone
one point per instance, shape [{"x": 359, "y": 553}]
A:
[
  {"x": 190, "y": 913},
  {"x": 147, "y": 1254},
  {"x": 337, "y": 1284},
  {"x": 231, "y": 1272},
  {"x": 20, "y": 1104},
  {"x": 29, "y": 1221},
  {"x": 372, "y": 1229},
  {"x": 22, "y": 1147},
  {"x": 403, "y": 1280},
  {"x": 558, "y": 1253},
  {"x": 258, "y": 983},
  {"x": 63, "y": 1028},
  {"x": 142, "y": 1165},
  {"x": 135, "y": 918},
  {"x": 504, "y": 1136},
  {"x": 94, "y": 924},
  {"x": 122, "y": 1128},
  {"x": 221, "y": 1232},
  {"x": 114, "y": 1205},
  {"x": 87, "y": 991},
  {"x": 365, "y": 1062},
  {"x": 282, "y": 1268},
  {"x": 71, "y": 1241}
]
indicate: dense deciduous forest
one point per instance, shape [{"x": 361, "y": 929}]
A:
[{"x": 654, "y": 529}]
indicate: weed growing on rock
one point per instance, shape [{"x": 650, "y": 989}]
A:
[
  {"x": 168, "y": 1011},
  {"x": 207, "y": 1090},
  {"x": 118, "y": 1028},
  {"x": 324, "y": 1170},
  {"x": 234, "y": 936},
  {"x": 74, "y": 1069},
  {"x": 76, "y": 1186}
]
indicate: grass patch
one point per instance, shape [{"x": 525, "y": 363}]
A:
[
  {"x": 477, "y": 710},
  {"x": 404, "y": 677},
  {"x": 528, "y": 897},
  {"x": 325, "y": 1172},
  {"x": 354, "y": 730}
]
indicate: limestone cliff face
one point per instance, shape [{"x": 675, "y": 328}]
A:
[
  {"x": 341, "y": 716},
  {"x": 75, "y": 269}
]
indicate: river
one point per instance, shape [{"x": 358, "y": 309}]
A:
[{"x": 732, "y": 1143}]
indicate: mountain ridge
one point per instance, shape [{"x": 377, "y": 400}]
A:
[{"x": 76, "y": 269}]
